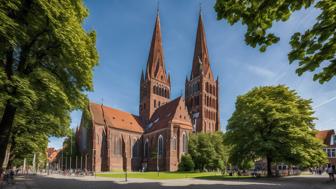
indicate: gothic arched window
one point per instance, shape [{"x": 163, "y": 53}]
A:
[
  {"x": 135, "y": 148},
  {"x": 146, "y": 149},
  {"x": 184, "y": 142},
  {"x": 174, "y": 143},
  {"x": 160, "y": 145}
]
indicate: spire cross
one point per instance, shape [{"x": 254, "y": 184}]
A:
[{"x": 157, "y": 7}]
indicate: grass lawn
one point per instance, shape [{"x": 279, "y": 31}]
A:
[{"x": 171, "y": 175}]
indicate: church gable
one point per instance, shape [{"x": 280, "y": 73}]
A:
[
  {"x": 103, "y": 115},
  {"x": 181, "y": 113},
  {"x": 162, "y": 116}
]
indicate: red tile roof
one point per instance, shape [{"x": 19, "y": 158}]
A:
[
  {"x": 52, "y": 154},
  {"x": 115, "y": 118},
  {"x": 325, "y": 136}
]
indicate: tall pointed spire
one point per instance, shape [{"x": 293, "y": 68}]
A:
[
  {"x": 155, "y": 63},
  {"x": 142, "y": 77},
  {"x": 155, "y": 90},
  {"x": 201, "y": 58}
]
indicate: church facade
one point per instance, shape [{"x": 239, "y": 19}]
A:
[{"x": 111, "y": 139}]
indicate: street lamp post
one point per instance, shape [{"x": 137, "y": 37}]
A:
[
  {"x": 66, "y": 161},
  {"x": 70, "y": 152}
]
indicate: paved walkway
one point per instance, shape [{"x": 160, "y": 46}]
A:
[{"x": 62, "y": 182}]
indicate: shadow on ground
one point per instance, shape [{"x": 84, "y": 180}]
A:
[{"x": 41, "y": 182}]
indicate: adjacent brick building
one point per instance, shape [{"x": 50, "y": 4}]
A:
[
  {"x": 328, "y": 138},
  {"x": 112, "y": 139}
]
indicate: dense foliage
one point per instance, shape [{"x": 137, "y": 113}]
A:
[
  {"x": 46, "y": 65},
  {"x": 208, "y": 151},
  {"x": 186, "y": 163},
  {"x": 313, "y": 49},
  {"x": 276, "y": 124}
]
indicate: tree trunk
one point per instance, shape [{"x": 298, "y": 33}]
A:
[
  {"x": 6, "y": 125},
  {"x": 269, "y": 166}
]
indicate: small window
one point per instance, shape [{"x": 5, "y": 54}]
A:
[
  {"x": 154, "y": 103},
  {"x": 333, "y": 152}
]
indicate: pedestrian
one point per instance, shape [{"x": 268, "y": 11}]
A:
[
  {"x": 334, "y": 172},
  {"x": 330, "y": 172}
]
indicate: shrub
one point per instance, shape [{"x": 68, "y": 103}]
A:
[{"x": 186, "y": 163}]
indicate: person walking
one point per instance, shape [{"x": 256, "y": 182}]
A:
[
  {"x": 334, "y": 172},
  {"x": 330, "y": 171}
]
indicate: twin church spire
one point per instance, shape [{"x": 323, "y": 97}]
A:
[
  {"x": 201, "y": 62},
  {"x": 155, "y": 83},
  {"x": 155, "y": 64}
]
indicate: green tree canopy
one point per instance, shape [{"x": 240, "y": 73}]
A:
[
  {"x": 208, "y": 151},
  {"x": 274, "y": 123},
  {"x": 47, "y": 61},
  {"x": 313, "y": 49}
]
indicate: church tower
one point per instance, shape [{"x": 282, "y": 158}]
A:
[
  {"x": 201, "y": 90},
  {"x": 155, "y": 83}
]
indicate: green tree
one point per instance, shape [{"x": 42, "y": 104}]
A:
[
  {"x": 47, "y": 60},
  {"x": 313, "y": 49},
  {"x": 274, "y": 123},
  {"x": 186, "y": 163},
  {"x": 208, "y": 151}
]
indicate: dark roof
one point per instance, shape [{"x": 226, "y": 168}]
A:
[
  {"x": 163, "y": 115},
  {"x": 115, "y": 118}
]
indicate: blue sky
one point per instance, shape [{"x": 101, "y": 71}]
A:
[{"x": 124, "y": 30}]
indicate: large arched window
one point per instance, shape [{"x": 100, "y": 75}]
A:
[
  {"x": 135, "y": 148},
  {"x": 146, "y": 149},
  {"x": 184, "y": 142},
  {"x": 160, "y": 145}
]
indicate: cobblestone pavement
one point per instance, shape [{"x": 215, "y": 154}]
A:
[{"x": 62, "y": 182}]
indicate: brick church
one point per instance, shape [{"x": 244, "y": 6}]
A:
[{"x": 113, "y": 139}]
